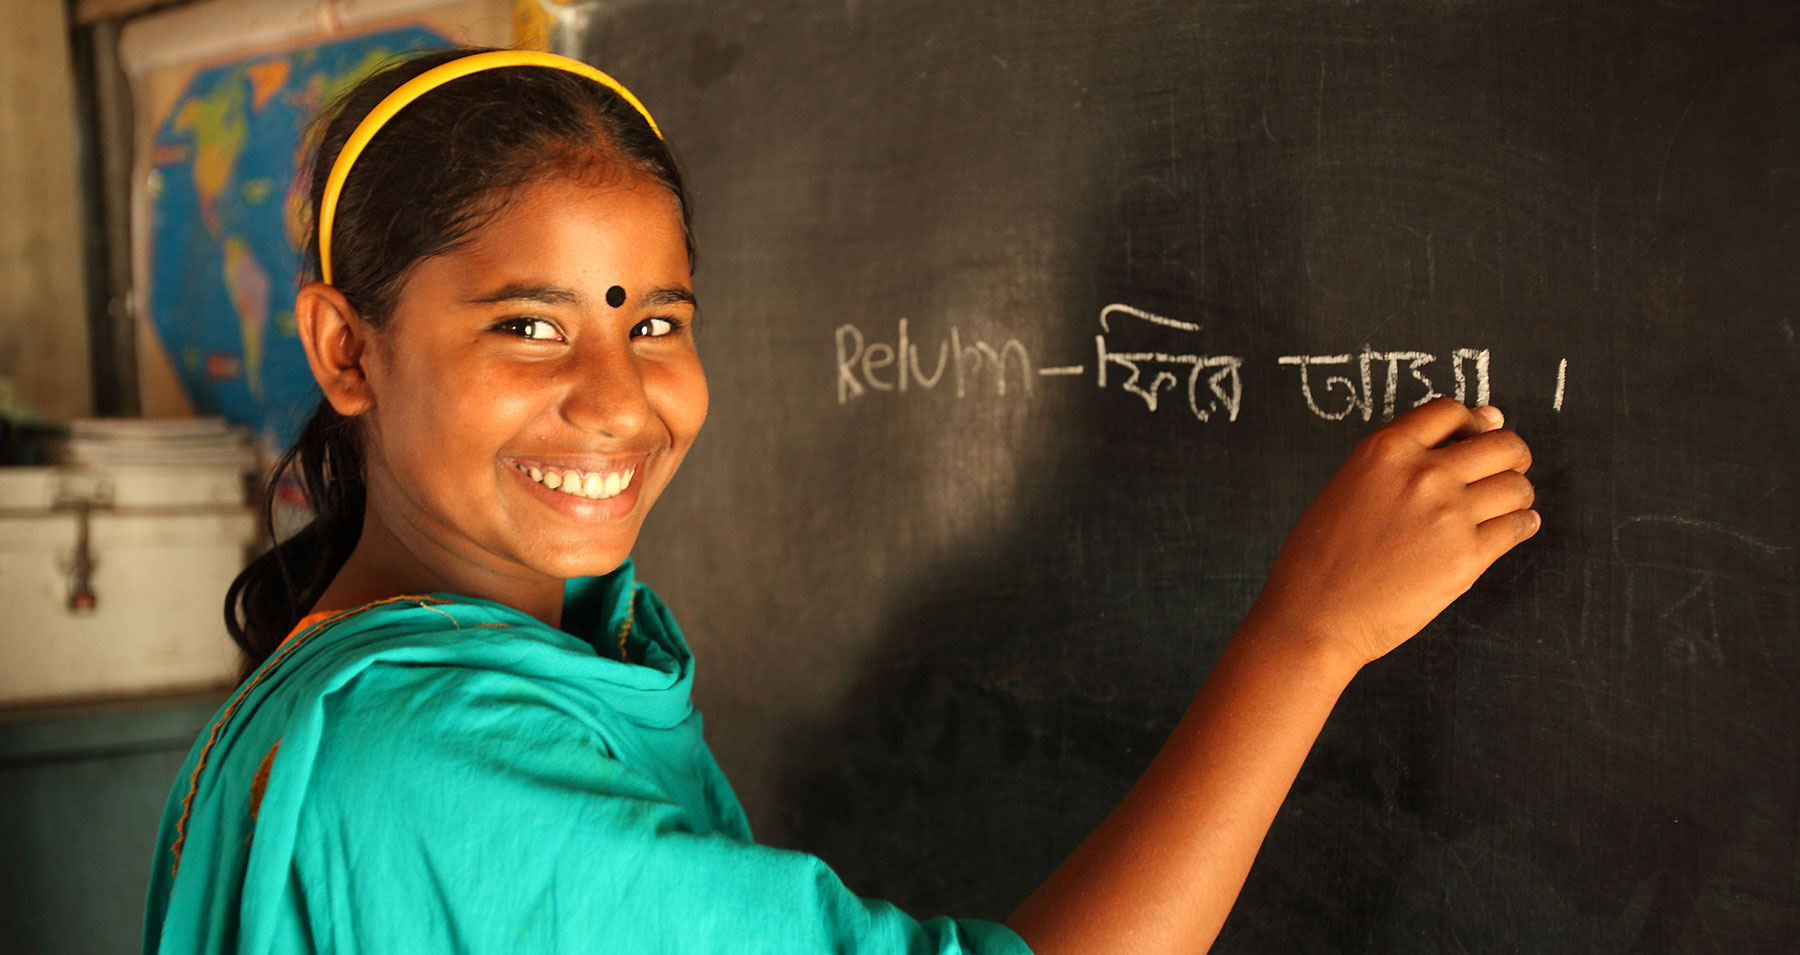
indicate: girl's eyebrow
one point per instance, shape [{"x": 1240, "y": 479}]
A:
[
  {"x": 557, "y": 295},
  {"x": 523, "y": 292},
  {"x": 667, "y": 295}
]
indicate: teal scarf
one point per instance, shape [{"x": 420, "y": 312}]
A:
[{"x": 438, "y": 773}]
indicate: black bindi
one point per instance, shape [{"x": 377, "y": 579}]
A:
[{"x": 615, "y": 296}]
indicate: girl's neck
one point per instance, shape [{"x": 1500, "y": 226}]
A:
[{"x": 384, "y": 565}]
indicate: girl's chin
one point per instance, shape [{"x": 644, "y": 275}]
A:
[{"x": 578, "y": 558}]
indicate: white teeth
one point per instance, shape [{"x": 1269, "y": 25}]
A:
[{"x": 594, "y": 486}]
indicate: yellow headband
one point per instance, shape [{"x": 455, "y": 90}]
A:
[{"x": 425, "y": 82}]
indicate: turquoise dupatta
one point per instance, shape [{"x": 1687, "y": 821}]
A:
[{"x": 441, "y": 773}]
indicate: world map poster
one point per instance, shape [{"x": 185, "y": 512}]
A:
[{"x": 227, "y": 199}]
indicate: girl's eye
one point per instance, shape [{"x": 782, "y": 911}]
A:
[
  {"x": 533, "y": 329},
  {"x": 655, "y": 327}
]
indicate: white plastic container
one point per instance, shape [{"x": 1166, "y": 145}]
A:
[{"x": 137, "y": 610}]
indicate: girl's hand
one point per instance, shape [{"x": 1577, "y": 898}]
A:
[{"x": 1419, "y": 511}]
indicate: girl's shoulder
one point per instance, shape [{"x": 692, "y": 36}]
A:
[
  {"x": 376, "y": 684},
  {"x": 621, "y": 651},
  {"x": 368, "y": 681}
]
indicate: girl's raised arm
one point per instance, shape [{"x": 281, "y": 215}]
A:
[{"x": 1419, "y": 511}]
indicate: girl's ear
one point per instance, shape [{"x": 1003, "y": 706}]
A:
[{"x": 336, "y": 340}]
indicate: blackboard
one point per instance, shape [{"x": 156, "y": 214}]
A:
[{"x": 942, "y": 627}]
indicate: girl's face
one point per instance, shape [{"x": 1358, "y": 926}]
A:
[{"x": 552, "y": 352}]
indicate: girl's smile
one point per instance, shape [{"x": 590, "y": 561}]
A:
[{"x": 594, "y": 491}]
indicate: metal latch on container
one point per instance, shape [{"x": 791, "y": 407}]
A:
[{"x": 82, "y": 498}]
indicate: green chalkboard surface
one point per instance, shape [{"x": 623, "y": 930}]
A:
[{"x": 1032, "y": 325}]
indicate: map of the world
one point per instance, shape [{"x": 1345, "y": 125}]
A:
[{"x": 227, "y": 199}]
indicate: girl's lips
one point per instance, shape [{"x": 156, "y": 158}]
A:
[{"x": 585, "y": 465}]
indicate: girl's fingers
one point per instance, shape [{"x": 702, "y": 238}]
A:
[
  {"x": 1501, "y": 534},
  {"x": 1440, "y": 420},
  {"x": 1481, "y": 420},
  {"x": 1500, "y": 494},
  {"x": 1487, "y": 454}
]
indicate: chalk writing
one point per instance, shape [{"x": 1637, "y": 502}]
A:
[
  {"x": 1347, "y": 385},
  {"x": 860, "y": 364},
  {"x": 1225, "y": 385},
  {"x": 1118, "y": 309},
  {"x": 1362, "y": 399}
]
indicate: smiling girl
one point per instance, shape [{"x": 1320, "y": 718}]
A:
[{"x": 467, "y": 726}]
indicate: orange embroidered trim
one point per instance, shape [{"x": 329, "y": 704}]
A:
[
  {"x": 294, "y": 638},
  {"x": 306, "y": 622},
  {"x": 261, "y": 782},
  {"x": 625, "y": 625}
]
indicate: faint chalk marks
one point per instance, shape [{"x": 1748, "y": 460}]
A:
[
  {"x": 713, "y": 58},
  {"x": 1672, "y": 604},
  {"x": 953, "y": 722},
  {"x": 1680, "y": 521},
  {"x": 1430, "y": 263},
  {"x": 1319, "y": 115},
  {"x": 1662, "y": 170}
]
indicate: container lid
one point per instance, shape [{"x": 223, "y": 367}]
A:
[
  {"x": 117, "y": 442},
  {"x": 125, "y": 488}
]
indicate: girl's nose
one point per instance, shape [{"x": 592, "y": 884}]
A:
[{"x": 607, "y": 394}]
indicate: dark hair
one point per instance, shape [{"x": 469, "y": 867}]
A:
[{"x": 441, "y": 168}]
